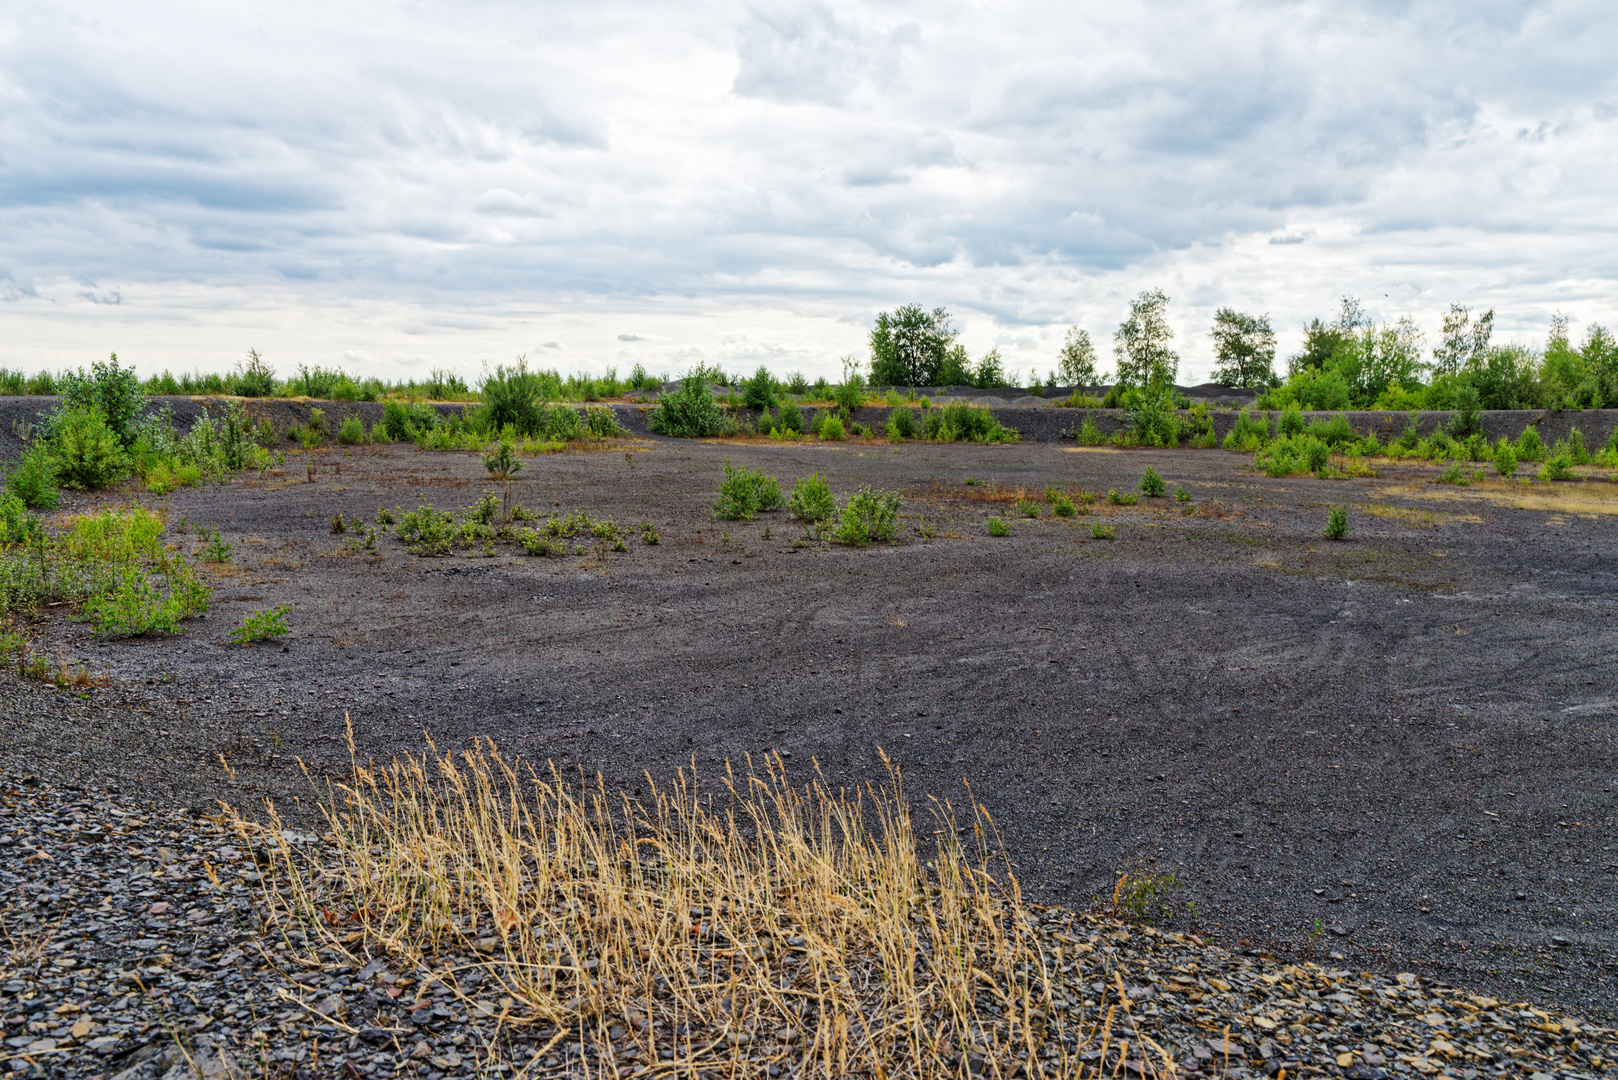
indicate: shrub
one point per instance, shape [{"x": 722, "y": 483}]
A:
[
  {"x": 602, "y": 422},
  {"x": 34, "y": 479},
  {"x": 791, "y": 417},
  {"x": 869, "y": 517},
  {"x": 648, "y": 533},
  {"x": 1336, "y": 523},
  {"x": 256, "y": 379},
  {"x": 1454, "y": 475},
  {"x": 1089, "y": 434},
  {"x": 689, "y": 412},
  {"x": 89, "y": 455},
  {"x": 1248, "y": 435},
  {"x": 850, "y": 394},
  {"x": 263, "y": 625},
  {"x": 1505, "y": 459},
  {"x": 108, "y": 389},
  {"x": 766, "y": 423},
  {"x": 1151, "y": 484},
  {"x": 215, "y": 550},
  {"x": 17, "y": 524},
  {"x": 351, "y": 431},
  {"x": 1121, "y": 498},
  {"x": 831, "y": 429},
  {"x": 1529, "y": 446},
  {"x": 1559, "y": 467},
  {"x": 998, "y": 527},
  {"x": 766, "y": 491},
  {"x": 512, "y": 396},
  {"x": 504, "y": 463},
  {"x": 1101, "y": 532},
  {"x": 1336, "y": 432},
  {"x": 562, "y": 423},
  {"x": 903, "y": 421},
  {"x": 1465, "y": 420},
  {"x": 1181, "y": 495},
  {"x": 134, "y": 605},
  {"x": 1291, "y": 422},
  {"x": 1288, "y": 456},
  {"x": 534, "y": 543},
  {"x": 759, "y": 391},
  {"x": 798, "y": 384},
  {"x": 1061, "y": 505},
  {"x": 811, "y": 501},
  {"x": 738, "y": 499},
  {"x": 1028, "y": 508}
]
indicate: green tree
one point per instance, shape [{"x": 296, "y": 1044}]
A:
[
  {"x": 1141, "y": 344},
  {"x": 989, "y": 372},
  {"x": 1244, "y": 346},
  {"x": 1323, "y": 340},
  {"x": 759, "y": 391},
  {"x": 1465, "y": 343},
  {"x": 908, "y": 346},
  {"x": 1076, "y": 365}
]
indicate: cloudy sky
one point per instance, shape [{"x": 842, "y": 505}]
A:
[{"x": 398, "y": 186}]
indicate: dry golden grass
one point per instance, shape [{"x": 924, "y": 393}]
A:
[
  {"x": 1588, "y": 498},
  {"x": 750, "y": 925}
]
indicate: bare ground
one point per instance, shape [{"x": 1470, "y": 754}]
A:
[{"x": 1399, "y": 748}]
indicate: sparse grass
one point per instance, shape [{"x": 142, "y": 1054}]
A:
[{"x": 757, "y": 924}]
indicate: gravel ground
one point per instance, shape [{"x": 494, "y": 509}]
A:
[{"x": 134, "y": 949}]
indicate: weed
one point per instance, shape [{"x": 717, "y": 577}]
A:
[
  {"x": 34, "y": 479},
  {"x": 216, "y": 550},
  {"x": 1249, "y": 434},
  {"x": 1337, "y": 523},
  {"x": 351, "y": 431},
  {"x": 503, "y": 464},
  {"x": 1143, "y": 897},
  {"x": 1101, "y": 532},
  {"x": 811, "y": 501},
  {"x": 831, "y": 429},
  {"x": 1028, "y": 508},
  {"x": 1122, "y": 498},
  {"x": 1089, "y": 434},
  {"x": 535, "y": 543},
  {"x": 1151, "y": 484},
  {"x": 1505, "y": 459},
  {"x": 1061, "y": 505},
  {"x": 1454, "y": 475},
  {"x": 384, "y": 516},
  {"x": 1529, "y": 445},
  {"x": 648, "y": 534},
  {"x": 265, "y": 624},
  {"x": 998, "y": 527},
  {"x": 738, "y": 498},
  {"x": 483, "y": 512},
  {"x": 1181, "y": 495},
  {"x": 869, "y": 517},
  {"x": 1087, "y": 498},
  {"x": 1291, "y": 422},
  {"x": 338, "y": 525}
]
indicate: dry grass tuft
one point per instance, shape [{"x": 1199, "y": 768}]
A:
[{"x": 725, "y": 931}]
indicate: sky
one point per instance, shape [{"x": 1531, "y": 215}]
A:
[{"x": 395, "y": 187}]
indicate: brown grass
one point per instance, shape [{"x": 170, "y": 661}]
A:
[{"x": 751, "y": 924}]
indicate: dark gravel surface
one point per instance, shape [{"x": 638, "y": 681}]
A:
[{"x": 1398, "y": 750}]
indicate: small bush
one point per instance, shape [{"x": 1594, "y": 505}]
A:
[
  {"x": 1336, "y": 523},
  {"x": 1181, "y": 495},
  {"x": 504, "y": 462},
  {"x": 1336, "y": 432},
  {"x": 737, "y": 498},
  {"x": 1089, "y": 434},
  {"x": 903, "y": 422},
  {"x": 689, "y": 412},
  {"x": 850, "y": 394},
  {"x": 766, "y": 492},
  {"x": 791, "y": 418},
  {"x": 1101, "y": 532},
  {"x": 1505, "y": 459},
  {"x": 1151, "y": 484},
  {"x": 831, "y": 429},
  {"x": 1121, "y": 498},
  {"x": 648, "y": 533},
  {"x": 1529, "y": 445},
  {"x": 811, "y": 501},
  {"x": 1028, "y": 508},
  {"x": 998, "y": 527},
  {"x": 759, "y": 391},
  {"x": 88, "y": 453},
  {"x": 266, "y": 624},
  {"x": 1454, "y": 475},
  {"x": 34, "y": 479},
  {"x": 1249, "y": 435},
  {"x": 602, "y": 422},
  {"x": 1291, "y": 422},
  {"x": 1559, "y": 467},
  {"x": 351, "y": 432},
  {"x": 215, "y": 550},
  {"x": 534, "y": 543},
  {"x": 869, "y": 517}
]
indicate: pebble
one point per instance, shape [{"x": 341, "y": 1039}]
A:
[{"x": 133, "y": 946}]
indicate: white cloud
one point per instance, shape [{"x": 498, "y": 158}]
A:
[{"x": 392, "y": 184}]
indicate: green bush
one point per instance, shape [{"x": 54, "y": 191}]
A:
[
  {"x": 766, "y": 423},
  {"x": 134, "y": 605},
  {"x": 512, "y": 395},
  {"x": 1466, "y": 420},
  {"x": 88, "y": 454},
  {"x": 504, "y": 463},
  {"x": 831, "y": 429},
  {"x": 738, "y": 499},
  {"x": 1028, "y": 508},
  {"x": 850, "y": 394},
  {"x": 998, "y": 527},
  {"x": 108, "y": 389},
  {"x": 1249, "y": 434},
  {"x": 689, "y": 412},
  {"x": 759, "y": 391},
  {"x": 811, "y": 501},
  {"x": 1151, "y": 484},
  {"x": 351, "y": 431},
  {"x": 766, "y": 491},
  {"x": 1291, "y": 455},
  {"x": 34, "y": 479},
  {"x": 1121, "y": 498},
  {"x": 263, "y": 625},
  {"x": 1101, "y": 532},
  {"x": 1529, "y": 445},
  {"x": 1061, "y": 505},
  {"x": 869, "y": 517},
  {"x": 1454, "y": 475},
  {"x": 903, "y": 422},
  {"x": 1336, "y": 523},
  {"x": 18, "y": 526},
  {"x": 1559, "y": 467},
  {"x": 1089, "y": 434},
  {"x": 1291, "y": 422},
  {"x": 1336, "y": 432},
  {"x": 255, "y": 379},
  {"x": 602, "y": 422},
  {"x": 791, "y": 417},
  {"x": 1505, "y": 459}
]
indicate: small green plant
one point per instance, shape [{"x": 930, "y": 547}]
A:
[
  {"x": 351, "y": 431},
  {"x": 338, "y": 525},
  {"x": 384, "y": 516},
  {"x": 263, "y": 625},
  {"x": 1505, "y": 459},
  {"x": 1087, "y": 498},
  {"x": 648, "y": 534},
  {"x": 1028, "y": 508},
  {"x": 1454, "y": 475},
  {"x": 34, "y": 480},
  {"x": 1061, "y": 505},
  {"x": 1181, "y": 495},
  {"x": 1291, "y": 422},
  {"x": 216, "y": 550},
  {"x": 743, "y": 492},
  {"x": 998, "y": 527},
  {"x": 1559, "y": 467},
  {"x": 1143, "y": 897},
  {"x": 1529, "y": 445},
  {"x": 504, "y": 463},
  {"x": 1122, "y": 498},
  {"x": 869, "y": 517},
  {"x": 831, "y": 429},
  {"x": 811, "y": 501},
  {"x": 88, "y": 453},
  {"x": 1101, "y": 532},
  {"x": 1151, "y": 484},
  {"x": 1337, "y": 523}
]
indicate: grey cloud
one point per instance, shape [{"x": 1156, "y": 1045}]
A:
[{"x": 630, "y": 337}]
